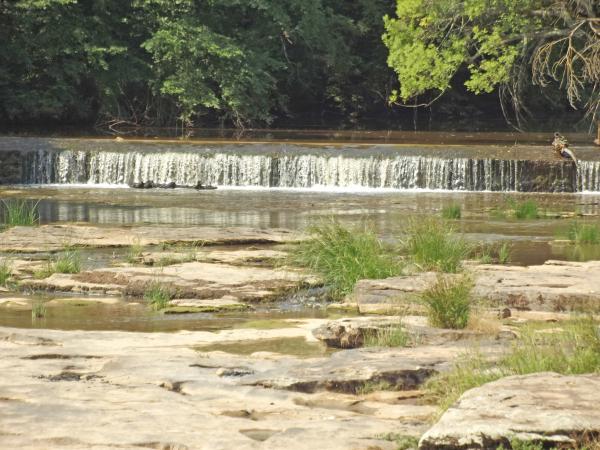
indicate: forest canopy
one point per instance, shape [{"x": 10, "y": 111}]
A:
[{"x": 275, "y": 62}]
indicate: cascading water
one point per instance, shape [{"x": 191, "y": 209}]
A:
[
  {"x": 45, "y": 161},
  {"x": 281, "y": 170}
]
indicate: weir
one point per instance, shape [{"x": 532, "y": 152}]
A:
[{"x": 284, "y": 165}]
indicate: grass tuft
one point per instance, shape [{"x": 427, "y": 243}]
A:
[
  {"x": 69, "y": 261},
  {"x": 5, "y": 272},
  {"x": 134, "y": 252},
  {"x": 18, "y": 212},
  {"x": 448, "y": 302},
  {"x": 390, "y": 336},
  {"x": 526, "y": 210},
  {"x": 452, "y": 212},
  {"x": 433, "y": 245},
  {"x": 584, "y": 233},
  {"x": 158, "y": 295},
  {"x": 38, "y": 310},
  {"x": 342, "y": 256},
  {"x": 572, "y": 349}
]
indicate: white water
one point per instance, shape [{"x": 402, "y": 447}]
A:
[{"x": 285, "y": 170}]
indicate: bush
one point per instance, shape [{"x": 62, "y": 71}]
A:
[
  {"x": 20, "y": 213},
  {"x": 342, "y": 256},
  {"x": 448, "y": 302},
  {"x": 452, "y": 212},
  {"x": 433, "y": 245}
]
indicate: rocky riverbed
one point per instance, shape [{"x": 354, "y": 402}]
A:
[{"x": 305, "y": 382}]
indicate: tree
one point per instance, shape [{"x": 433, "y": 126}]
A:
[{"x": 505, "y": 45}]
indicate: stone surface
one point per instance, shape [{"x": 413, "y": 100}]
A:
[
  {"x": 547, "y": 407},
  {"x": 187, "y": 280},
  {"x": 56, "y": 237},
  {"x": 105, "y": 390},
  {"x": 350, "y": 332},
  {"x": 555, "y": 286}
]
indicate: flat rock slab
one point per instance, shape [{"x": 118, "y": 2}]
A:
[
  {"x": 554, "y": 286},
  {"x": 100, "y": 390},
  {"x": 56, "y": 237},
  {"x": 188, "y": 280},
  {"x": 547, "y": 407}
]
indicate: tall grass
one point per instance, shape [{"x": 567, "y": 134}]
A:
[
  {"x": 448, "y": 302},
  {"x": 584, "y": 233},
  {"x": 158, "y": 295},
  {"x": 17, "y": 212},
  {"x": 433, "y": 245},
  {"x": 389, "y": 336},
  {"x": 526, "y": 210},
  {"x": 574, "y": 350},
  {"x": 452, "y": 212},
  {"x": 5, "y": 272},
  {"x": 68, "y": 261},
  {"x": 134, "y": 252},
  {"x": 38, "y": 310},
  {"x": 342, "y": 256}
]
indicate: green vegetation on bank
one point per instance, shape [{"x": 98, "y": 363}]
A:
[
  {"x": 67, "y": 261},
  {"x": 433, "y": 245},
  {"x": 18, "y": 212},
  {"x": 448, "y": 302},
  {"x": 342, "y": 256},
  {"x": 265, "y": 62},
  {"x": 38, "y": 310},
  {"x": 574, "y": 348}
]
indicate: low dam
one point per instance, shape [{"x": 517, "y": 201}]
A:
[{"x": 286, "y": 165}]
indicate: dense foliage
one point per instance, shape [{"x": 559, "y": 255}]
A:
[
  {"x": 155, "y": 61},
  {"x": 273, "y": 62},
  {"x": 504, "y": 45}
]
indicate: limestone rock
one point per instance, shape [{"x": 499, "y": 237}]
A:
[{"x": 545, "y": 407}]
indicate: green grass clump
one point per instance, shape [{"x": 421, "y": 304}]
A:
[
  {"x": 390, "y": 336},
  {"x": 38, "y": 310},
  {"x": 526, "y": 210},
  {"x": 20, "y": 213},
  {"x": 494, "y": 254},
  {"x": 452, "y": 212},
  {"x": 68, "y": 261},
  {"x": 369, "y": 387},
  {"x": 433, "y": 245},
  {"x": 342, "y": 256},
  {"x": 401, "y": 441},
  {"x": 584, "y": 233},
  {"x": 158, "y": 295},
  {"x": 5, "y": 272},
  {"x": 448, "y": 302},
  {"x": 573, "y": 349},
  {"x": 504, "y": 253},
  {"x": 134, "y": 252}
]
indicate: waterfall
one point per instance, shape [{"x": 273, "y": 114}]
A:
[{"x": 301, "y": 167}]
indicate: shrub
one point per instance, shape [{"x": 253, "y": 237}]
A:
[
  {"x": 452, "y": 212},
  {"x": 158, "y": 295},
  {"x": 342, "y": 256},
  {"x": 448, "y": 302},
  {"x": 433, "y": 245},
  {"x": 20, "y": 213}
]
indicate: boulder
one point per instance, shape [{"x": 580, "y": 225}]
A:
[{"x": 548, "y": 408}]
